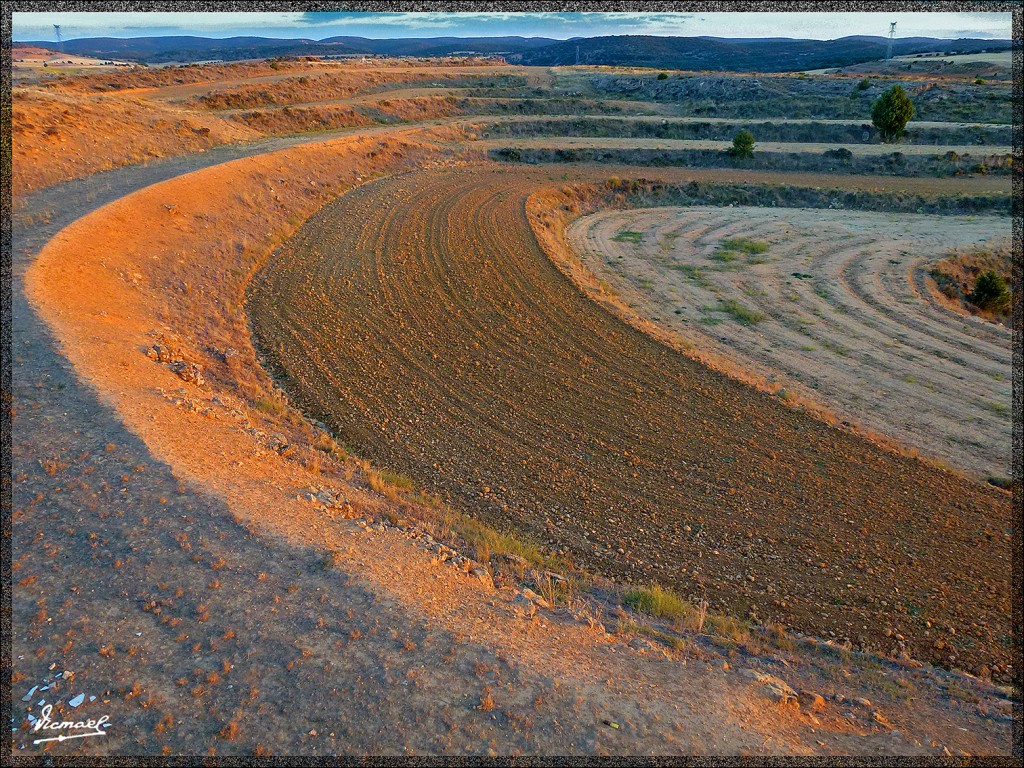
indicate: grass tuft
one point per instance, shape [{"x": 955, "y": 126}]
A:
[
  {"x": 743, "y": 245},
  {"x": 740, "y": 313},
  {"x": 658, "y": 602},
  {"x": 628, "y": 236}
]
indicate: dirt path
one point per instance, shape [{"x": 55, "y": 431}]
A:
[
  {"x": 833, "y": 306},
  {"x": 867, "y": 150},
  {"x": 199, "y": 609}
]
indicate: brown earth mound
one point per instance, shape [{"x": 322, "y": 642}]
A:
[{"x": 497, "y": 384}]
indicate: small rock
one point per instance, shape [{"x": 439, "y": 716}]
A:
[
  {"x": 161, "y": 353},
  {"x": 523, "y": 605},
  {"x": 535, "y": 598},
  {"x": 777, "y": 690},
  {"x": 189, "y": 372},
  {"x": 812, "y": 700},
  {"x": 482, "y": 573},
  {"x": 866, "y": 703}
]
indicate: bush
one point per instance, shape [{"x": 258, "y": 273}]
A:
[
  {"x": 842, "y": 153},
  {"x": 743, "y": 145},
  {"x": 864, "y": 84},
  {"x": 990, "y": 292},
  {"x": 891, "y": 112},
  {"x": 663, "y": 76}
]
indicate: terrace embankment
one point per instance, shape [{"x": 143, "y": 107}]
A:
[{"x": 500, "y": 386}]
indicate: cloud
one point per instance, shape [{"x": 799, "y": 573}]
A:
[
  {"x": 421, "y": 20},
  {"x": 556, "y": 24},
  {"x": 976, "y": 34},
  {"x": 453, "y": 19}
]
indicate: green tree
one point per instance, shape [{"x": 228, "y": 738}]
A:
[
  {"x": 743, "y": 145},
  {"x": 990, "y": 292},
  {"x": 891, "y": 112}
]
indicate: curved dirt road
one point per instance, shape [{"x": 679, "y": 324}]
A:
[
  {"x": 419, "y": 317},
  {"x": 184, "y": 618},
  {"x": 205, "y": 626}
]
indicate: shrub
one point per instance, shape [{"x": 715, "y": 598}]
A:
[
  {"x": 663, "y": 76},
  {"x": 864, "y": 84},
  {"x": 990, "y": 292},
  {"x": 743, "y": 145},
  {"x": 842, "y": 153},
  {"x": 891, "y": 112}
]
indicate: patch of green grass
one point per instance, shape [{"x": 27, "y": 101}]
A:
[
  {"x": 658, "y": 602},
  {"x": 628, "y": 236},
  {"x": 998, "y": 408},
  {"x": 692, "y": 272},
  {"x": 729, "y": 628},
  {"x": 725, "y": 257},
  {"x": 744, "y": 245},
  {"x": 742, "y": 315},
  {"x": 483, "y": 538},
  {"x": 396, "y": 479}
]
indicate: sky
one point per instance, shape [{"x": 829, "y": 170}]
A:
[{"x": 820, "y": 26}]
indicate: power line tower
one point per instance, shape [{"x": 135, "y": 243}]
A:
[
  {"x": 60, "y": 38},
  {"x": 892, "y": 35}
]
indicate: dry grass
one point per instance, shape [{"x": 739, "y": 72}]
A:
[
  {"x": 278, "y": 122},
  {"x": 56, "y": 137}
]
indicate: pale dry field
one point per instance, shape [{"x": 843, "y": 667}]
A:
[{"x": 835, "y": 310}]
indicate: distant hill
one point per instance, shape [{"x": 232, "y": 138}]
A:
[
  {"x": 707, "y": 53},
  {"x": 157, "y": 50}
]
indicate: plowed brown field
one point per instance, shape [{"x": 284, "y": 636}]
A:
[{"x": 419, "y": 316}]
